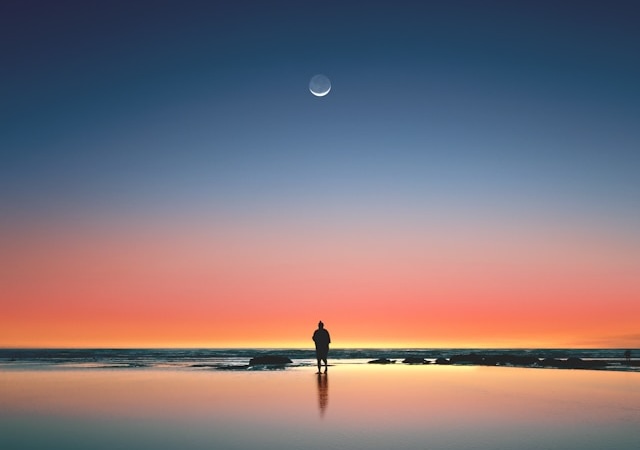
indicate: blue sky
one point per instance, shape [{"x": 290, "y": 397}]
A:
[
  {"x": 167, "y": 104},
  {"x": 167, "y": 178}
]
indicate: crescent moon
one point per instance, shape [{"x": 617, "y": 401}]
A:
[{"x": 320, "y": 85}]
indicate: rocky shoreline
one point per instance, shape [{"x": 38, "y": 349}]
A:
[
  {"x": 479, "y": 359},
  {"x": 476, "y": 359}
]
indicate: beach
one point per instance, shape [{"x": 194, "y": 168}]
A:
[{"x": 354, "y": 406}]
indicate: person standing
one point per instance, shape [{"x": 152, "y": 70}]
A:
[{"x": 322, "y": 339}]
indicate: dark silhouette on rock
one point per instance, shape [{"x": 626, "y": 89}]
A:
[
  {"x": 322, "y": 340},
  {"x": 269, "y": 360},
  {"x": 414, "y": 360},
  {"x": 382, "y": 361}
]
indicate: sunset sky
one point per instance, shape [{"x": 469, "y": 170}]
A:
[{"x": 167, "y": 179}]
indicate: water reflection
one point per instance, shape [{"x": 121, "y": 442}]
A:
[
  {"x": 323, "y": 392},
  {"x": 402, "y": 407}
]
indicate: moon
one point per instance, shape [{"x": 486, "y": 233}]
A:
[{"x": 320, "y": 85}]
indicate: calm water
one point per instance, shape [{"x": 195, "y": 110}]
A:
[{"x": 356, "y": 406}]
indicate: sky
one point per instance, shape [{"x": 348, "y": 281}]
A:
[{"x": 168, "y": 180}]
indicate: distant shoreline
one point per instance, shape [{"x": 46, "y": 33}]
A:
[{"x": 240, "y": 359}]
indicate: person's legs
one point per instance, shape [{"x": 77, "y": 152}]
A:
[
  {"x": 319, "y": 365},
  {"x": 326, "y": 366}
]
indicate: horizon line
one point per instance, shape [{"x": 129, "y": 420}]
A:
[{"x": 310, "y": 348}]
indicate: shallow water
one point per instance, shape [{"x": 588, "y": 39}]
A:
[{"x": 353, "y": 407}]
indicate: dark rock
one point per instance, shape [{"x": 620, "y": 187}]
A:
[
  {"x": 471, "y": 358},
  {"x": 526, "y": 360},
  {"x": 597, "y": 364},
  {"x": 382, "y": 361},
  {"x": 269, "y": 359},
  {"x": 575, "y": 363},
  {"x": 414, "y": 360},
  {"x": 495, "y": 360},
  {"x": 511, "y": 360},
  {"x": 552, "y": 362},
  {"x": 235, "y": 367},
  {"x": 443, "y": 361},
  {"x": 492, "y": 360}
]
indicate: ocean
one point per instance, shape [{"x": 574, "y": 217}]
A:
[{"x": 238, "y": 358}]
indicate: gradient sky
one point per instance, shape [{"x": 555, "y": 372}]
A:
[{"x": 167, "y": 179}]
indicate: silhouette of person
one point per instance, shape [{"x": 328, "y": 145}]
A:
[
  {"x": 627, "y": 356},
  {"x": 322, "y": 339}
]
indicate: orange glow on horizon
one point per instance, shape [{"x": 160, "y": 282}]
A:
[{"x": 182, "y": 287}]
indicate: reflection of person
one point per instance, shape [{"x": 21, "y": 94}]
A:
[
  {"x": 322, "y": 339},
  {"x": 323, "y": 393},
  {"x": 627, "y": 356}
]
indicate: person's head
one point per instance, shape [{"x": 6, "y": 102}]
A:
[{"x": 320, "y": 325}]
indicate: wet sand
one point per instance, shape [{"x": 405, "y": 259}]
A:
[{"x": 353, "y": 407}]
